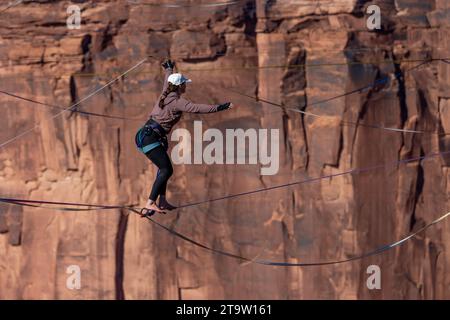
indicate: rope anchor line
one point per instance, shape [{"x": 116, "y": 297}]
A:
[
  {"x": 38, "y": 125},
  {"x": 358, "y": 90},
  {"x": 70, "y": 206},
  {"x": 256, "y": 98},
  {"x": 35, "y": 203}
]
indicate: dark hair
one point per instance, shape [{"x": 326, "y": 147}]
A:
[{"x": 170, "y": 88}]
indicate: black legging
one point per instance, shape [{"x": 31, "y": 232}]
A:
[{"x": 160, "y": 158}]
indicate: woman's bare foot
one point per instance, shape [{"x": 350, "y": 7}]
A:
[
  {"x": 164, "y": 205},
  {"x": 152, "y": 206}
]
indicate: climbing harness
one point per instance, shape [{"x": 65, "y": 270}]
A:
[{"x": 151, "y": 127}]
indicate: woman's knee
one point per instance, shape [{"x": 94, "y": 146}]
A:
[{"x": 166, "y": 173}]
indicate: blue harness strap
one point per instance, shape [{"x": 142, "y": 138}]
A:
[
  {"x": 150, "y": 147},
  {"x": 142, "y": 132},
  {"x": 140, "y": 136}
]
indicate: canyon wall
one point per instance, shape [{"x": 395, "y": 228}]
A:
[{"x": 245, "y": 46}]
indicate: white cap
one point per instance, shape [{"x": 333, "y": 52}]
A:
[{"x": 178, "y": 79}]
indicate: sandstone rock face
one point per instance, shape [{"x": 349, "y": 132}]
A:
[{"x": 245, "y": 46}]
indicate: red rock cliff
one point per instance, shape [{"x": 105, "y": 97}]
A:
[{"x": 244, "y": 45}]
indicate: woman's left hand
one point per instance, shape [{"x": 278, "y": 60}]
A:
[{"x": 168, "y": 64}]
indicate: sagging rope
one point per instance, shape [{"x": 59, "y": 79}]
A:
[
  {"x": 5, "y": 143},
  {"x": 221, "y": 252},
  {"x": 305, "y": 264},
  {"x": 69, "y": 206},
  {"x": 62, "y": 108},
  {"x": 359, "y": 90},
  {"x": 343, "y": 122},
  {"x": 236, "y": 195},
  {"x": 12, "y": 4}
]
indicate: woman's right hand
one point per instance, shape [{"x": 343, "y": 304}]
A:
[{"x": 224, "y": 106}]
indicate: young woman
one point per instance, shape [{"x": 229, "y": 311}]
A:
[{"x": 152, "y": 138}]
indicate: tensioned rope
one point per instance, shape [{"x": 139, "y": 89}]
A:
[
  {"x": 343, "y": 122},
  {"x": 305, "y": 264},
  {"x": 62, "y": 108},
  {"x": 355, "y": 171},
  {"x": 94, "y": 114},
  {"x": 229, "y": 254},
  {"x": 12, "y": 4},
  {"x": 359, "y": 90},
  {"x": 146, "y": 59},
  {"x": 3, "y": 144},
  {"x": 69, "y": 206},
  {"x": 192, "y": 204}
]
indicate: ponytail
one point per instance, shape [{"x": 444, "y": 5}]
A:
[{"x": 170, "y": 88}]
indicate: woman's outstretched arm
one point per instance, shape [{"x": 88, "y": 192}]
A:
[{"x": 184, "y": 105}]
